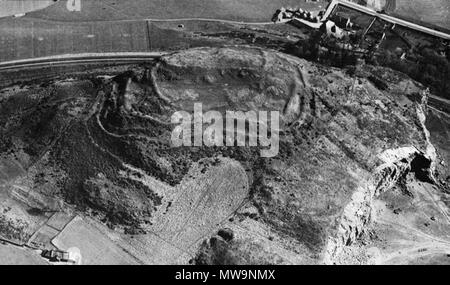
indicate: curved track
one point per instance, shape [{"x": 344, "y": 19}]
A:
[{"x": 108, "y": 57}]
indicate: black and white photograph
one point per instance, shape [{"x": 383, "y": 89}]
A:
[{"x": 256, "y": 133}]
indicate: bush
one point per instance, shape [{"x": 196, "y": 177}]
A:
[{"x": 428, "y": 68}]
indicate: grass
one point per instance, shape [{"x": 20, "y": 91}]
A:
[
  {"x": 95, "y": 246},
  {"x": 8, "y": 8},
  {"x": 12, "y": 255},
  {"x": 432, "y": 11},
  {"x": 241, "y": 10}
]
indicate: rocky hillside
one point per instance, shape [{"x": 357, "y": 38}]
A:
[{"x": 101, "y": 144}]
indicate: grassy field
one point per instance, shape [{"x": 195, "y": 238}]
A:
[
  {"x": 432, "y": 11},
  {"x": 11, "y": 255},
  {"x": 240, "y": 10},
  {"x": 25, "y": 39},
  {"x": 12, "y": 7},
  {"x": 435, "y": 12},
  {"x": 95, "y": 246}
]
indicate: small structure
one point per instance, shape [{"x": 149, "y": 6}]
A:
[{"x": 58, "y": 256}]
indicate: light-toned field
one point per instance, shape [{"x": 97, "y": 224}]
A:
[
  {"x": 28, "y": 39},
  {"x": 12, "y": 7},
  {"x": 95, "y": 246},
  {"x": 240, "y": 10},
  {"x": 12, "y": 255},
  {"x": 201, "y": 203},
  {"x": 435, "y": 12},
  {"x": 113, "y": 26},
  {"x": 412, "y": 229}
]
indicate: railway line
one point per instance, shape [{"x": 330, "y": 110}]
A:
[{"x": 82, "y": 58}]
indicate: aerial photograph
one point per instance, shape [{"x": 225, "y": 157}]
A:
[{"x": 224, "y": 132}]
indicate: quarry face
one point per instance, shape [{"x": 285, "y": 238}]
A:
[{"x": 86, "y": 161}]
